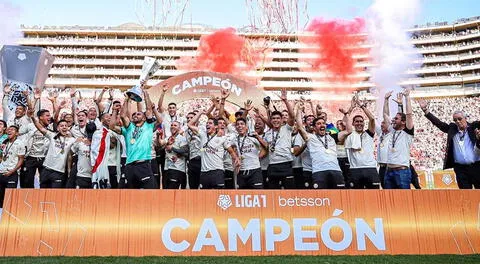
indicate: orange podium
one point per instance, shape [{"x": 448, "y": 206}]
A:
[{"x": 71, "y": 222}]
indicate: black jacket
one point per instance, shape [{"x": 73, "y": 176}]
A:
[{"x": 451, "y": 130}]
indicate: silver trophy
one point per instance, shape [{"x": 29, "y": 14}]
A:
[
  {"x": 24, "y": 69},
  {"x": 149, "y": 67}
]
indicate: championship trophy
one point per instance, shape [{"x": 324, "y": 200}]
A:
[
  {"x": 149, "y": 67},
  {"x": 24, "y": 69}
]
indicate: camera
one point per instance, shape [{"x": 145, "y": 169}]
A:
[{"x": 266, "y": 100}]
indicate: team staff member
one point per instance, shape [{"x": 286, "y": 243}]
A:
[
  {"x": 138, "y": 133},
  {"x": 13, "y": 152},
  {"x": 398, "y": 175},
  {"x": 460, "y": 154}
]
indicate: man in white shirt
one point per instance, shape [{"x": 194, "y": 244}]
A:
[
  {"x": 326, "y": 173},
  {"x": 250, "y": 147},
  {"x": 360, "y": 148},
  {"x": 176, "y": 151},
  {"x": 384, "y": 133},
  {"x": 13, "y": 152},
  {"x": 398, "y": 175},
  {"x": 194, "y": 162},
  {"x": 279, "y": 139},
  {"x": 212, "y": 153}
]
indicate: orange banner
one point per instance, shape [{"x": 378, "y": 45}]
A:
[
  {"x": 239, "y": 223},
  {"x": 444, "y": 179}
]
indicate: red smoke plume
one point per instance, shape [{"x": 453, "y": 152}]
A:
[
  {"x": 223, "y": 51},
  {"x": 333, "y": 43}
]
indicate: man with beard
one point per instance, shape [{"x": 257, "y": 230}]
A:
[
  {"x": 398, "y": 175},
  {"x": 360, "y": 148},
  {"x": 13, "y": 152},
  {"x": 212, "y": 153},
  {"x": 53, "y": 174},
  {"x": 279, "y": 140},
  {"x": 460, "y": 153},
  {"x": 176, "y": 150},
  {"x": 250, "y": 147},
  {"x": 138, "y": 133},
  {"x": 194, "y": 162},
  {"x": 36, "y": 144},
  {"x": 326, "y": 173}
]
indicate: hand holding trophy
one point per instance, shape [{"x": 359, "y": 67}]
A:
[{"x": 149, "y": 67}]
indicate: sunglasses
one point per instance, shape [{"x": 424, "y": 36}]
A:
[{"x": 457, "y": 119}]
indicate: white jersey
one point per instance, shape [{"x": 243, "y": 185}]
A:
[
  {"x": 382, "y": 144},
  {"x": 10, "y": 153},
  {"x": 323, "y": 151},
  {"x": 279, "y": 144},
  {"x": 213, "y": 151},
  {"x": 227, "y": 161},
  {"x": 174, "y": 161},
  {"x": 399, "y": 147},
  {"x": 297, "y": 160},
  {"x": 193, "y": 144},
  {"x": 265, "y": 160},
  {"x": 84, "y": 166},
  {"x": 58, "y": 150},
  {"x": 36, "y": 142},
  {"x": 248, "y": 149},
  {"x": 306, "y": 159},
  {"x": 362, "y": 157}
]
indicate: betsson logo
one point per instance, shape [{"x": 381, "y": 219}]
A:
[{"x": 242, "y": 201}]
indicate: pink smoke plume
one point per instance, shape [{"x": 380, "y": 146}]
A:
[
  {"x": 226, "y": 52},
  {"x": 333, "y": 43}
]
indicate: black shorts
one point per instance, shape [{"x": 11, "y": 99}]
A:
[
  {"x": 139, "y": 175},
  {"x": 213, "y": 179},
  {"x": 250, "y": 179},
  {"x": 280, "y": 176},
  {"x": 194, "y": 168},
  {"x": 364, "y": 178},
  {"x": 329, "y": 179},
  {"x": 307, "y": 178},
  {"x": 229, "y": 183},
  {"x": 175, "y": 179},
  {"x": 51, "y": 179},
  {"x": 84, "y": 183}
]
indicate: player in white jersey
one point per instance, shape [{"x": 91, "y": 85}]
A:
[
  {"x": 279, "y": 138},
  {"x": 326, "y": 173},
  {"x": 212, "y": 154},
  {"x": 13, "y": 153},
  {"x": 250, "y": 147},
  {"x": 194, "y": 159},
  {"x": 82, "y": 149},
  {"x": 398, "y": 175},
  {"x": 301, "y": 148},
  {"x": 360, "y": 146},
  {"x": 176, "y": 150}
]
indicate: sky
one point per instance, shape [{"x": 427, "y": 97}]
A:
[{"x": 216, "y": 13}]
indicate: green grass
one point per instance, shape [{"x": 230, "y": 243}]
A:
[{"x": 403, "y": 259}]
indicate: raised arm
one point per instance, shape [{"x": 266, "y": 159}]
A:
[
  {"x": 30, "y": 113},
  {"x": 148, "y": 105},
  {"x": 192, "y": 125},
  {"x": 223, "y": 98},
  {"x": 98, "y": 100},
  {"x": 125, "y": 113},
  {"x": 113, "y": 123},
  {"x": 213, "y": 106},
  {"x": 291, "y": 114},
  {"x": 386, "y": 108},
  {"x": 300, "y": 127},
  {"x": 160, "y": 99},
  {"x": 264, "y": 119},
  {"x": 342, "y": 135},
  {"x": 408, "y": 109},
  {"x": 371, "y": 118},
  {"x": 6, "y": 110},
  {"x": 444, "y": 127}
]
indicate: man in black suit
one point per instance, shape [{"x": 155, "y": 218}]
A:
[{"x": 460, "y": 153}]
